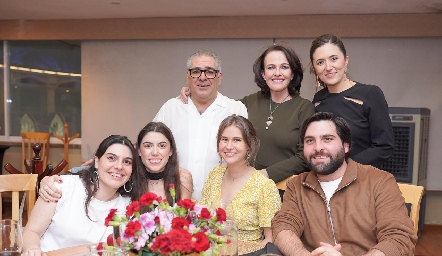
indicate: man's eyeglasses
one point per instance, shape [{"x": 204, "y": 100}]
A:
[{"x": 196, "y": 72}]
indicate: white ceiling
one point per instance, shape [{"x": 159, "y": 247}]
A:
[{"x": 102, "y": 9}]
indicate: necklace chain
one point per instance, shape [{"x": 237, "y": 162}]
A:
[
  {"x": 153, "y": 184},
  {"x": 230, "y": 176},
  {"x": 270, "y": 117}
]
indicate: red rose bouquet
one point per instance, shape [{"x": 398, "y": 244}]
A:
[{"x": 180, "y": 229}]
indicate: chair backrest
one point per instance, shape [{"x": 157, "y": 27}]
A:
[
  {"x": 282, "y": 185},
  {"x": 28, "y": 141},
  {"x": 413, "y": 195},
  {"x": 15, "y": 183}
]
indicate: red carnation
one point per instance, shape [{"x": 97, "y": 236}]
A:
[
  {"x": 202, "y": 242},
  {"x": 161, "y": 241},
  {"x": 179, "y": 222},
  {"x": 221, "y": 214},
  {"x": 132, "y": 227},
  {"x": 110, "y": 216},
  {"x": 134, "y": 206},
  {"x": 186, "y": 203},
  {"x": 205, "y": 214},
  {"x": 148, "y": 198},
  {"x": 180, "y": 240}
]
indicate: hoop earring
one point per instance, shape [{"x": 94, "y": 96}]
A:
[
  {"x": 131, "y": 186},
  {"x": 247, "y": 154},
  {"x": 92, "y": 179}
]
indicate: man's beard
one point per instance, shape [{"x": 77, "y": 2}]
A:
[{"x": 336, "y": 161}]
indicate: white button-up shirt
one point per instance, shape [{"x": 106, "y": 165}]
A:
[{"x": 195, "y": 133}]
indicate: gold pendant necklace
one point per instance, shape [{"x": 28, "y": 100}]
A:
[{"x": 270, "y": 117}]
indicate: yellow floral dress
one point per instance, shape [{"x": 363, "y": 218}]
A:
[{"x": 254, "y": 205}]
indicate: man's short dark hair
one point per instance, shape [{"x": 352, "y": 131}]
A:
[{"x": 342, "y": 128}]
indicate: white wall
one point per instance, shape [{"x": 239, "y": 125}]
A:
[{"x": 126, "y": 82}]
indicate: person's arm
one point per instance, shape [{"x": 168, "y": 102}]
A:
[
  {"x": 186, "y": 184},
  {"x": 267, "y": 236},
  {"x": 288, "y": 224},
  {"x": 288, "y": 243},
  {"x": 381, "y": 130},
  {"x": 394, "y": 228},
  {"x": 48, "y": 192},
  {"x": 270, "y": 203},
  {"x": 327, "y": 249},
  {"x": 37, "y": 224},
  {"x": 295, "y": 164},
  {"x": 374, "y": 252}
]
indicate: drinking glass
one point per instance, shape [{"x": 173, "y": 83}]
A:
[
  {"x": 228, "y": 207},
  {"x": 230, "y": 232},
  {"x": 119, "y": 231},
  {"x": 11, "y": 240}
]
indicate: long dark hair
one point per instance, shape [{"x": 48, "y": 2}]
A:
[
  {"x": 295, "y": 65},
  {"x": 90, "y": 176},
  {"x": 171, "y": 170}
]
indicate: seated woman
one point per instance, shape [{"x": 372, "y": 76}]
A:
[
  {"x": 78, "y": 217},
  {"x": 158, "y": 160},
  {"x": 254, "y": 197}
]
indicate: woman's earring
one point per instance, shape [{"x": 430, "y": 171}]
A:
[
  {"x": 93, "y": 179},
  {"x": 131, "y": 186}
]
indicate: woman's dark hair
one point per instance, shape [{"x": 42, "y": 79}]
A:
[
  {"x": 247, "y": 131},
  {"x": 295, "y": 65},
  {"x": 320, "y": 41},
  {"x": 171, "y": 170},
  {"x": 90, "y": 176},
  {"x": 342, "y": 128}
]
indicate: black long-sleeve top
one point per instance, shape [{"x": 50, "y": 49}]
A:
[{"x": 366, "y": 111}]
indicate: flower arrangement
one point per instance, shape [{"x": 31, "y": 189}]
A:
[{"x": 183, "y": 228}]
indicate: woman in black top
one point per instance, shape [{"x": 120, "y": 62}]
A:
[{"x": 363, "y": 106}]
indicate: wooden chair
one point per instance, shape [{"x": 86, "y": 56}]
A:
[
  {"x": 413, "y": 195},
  {"x": 282, "y": 185},
  {"x": 15, "y": 183},
  {"x": 28, "y": 140}
]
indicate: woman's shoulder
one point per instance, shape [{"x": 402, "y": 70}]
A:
[
  {"x": 70, "y": 181},
  {"x": 257, "y": 96},
  {"x": 185, "y": 174},
  {"x": 365, "y": 92},
  {"x": 261, "y": 179},
  {"x": 320, "y": 95}
]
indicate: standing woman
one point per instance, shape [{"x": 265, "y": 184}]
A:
[
  {"x": 254, "y": 197},
  {"x": 277, "y": 112},
  {"x": 363, "y": 106}
]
